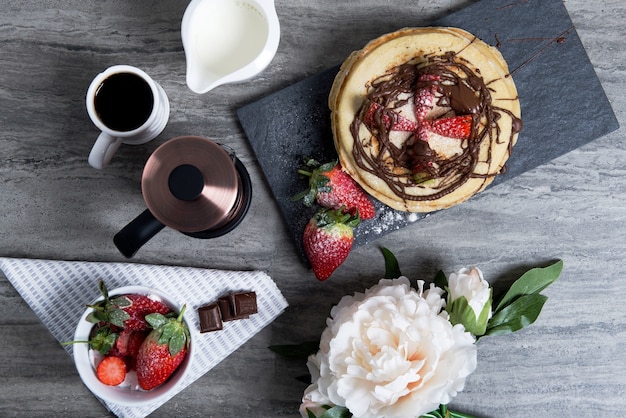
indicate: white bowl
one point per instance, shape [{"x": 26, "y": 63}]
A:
[{"x": 125, "y": 395}]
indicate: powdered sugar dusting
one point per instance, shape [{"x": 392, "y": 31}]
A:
[{"x": 385, "y": 221}]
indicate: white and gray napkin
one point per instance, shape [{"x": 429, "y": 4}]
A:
[{"x": 49, "y": 287}]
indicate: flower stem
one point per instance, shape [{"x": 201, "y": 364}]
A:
[
  {"x": 454, "y": 414},
  {"x": 444, "y": 412}
]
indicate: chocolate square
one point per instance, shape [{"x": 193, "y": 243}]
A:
[
  {"x": 226, "y": 309},
  {"x": 210, "y": 318},
  {"x": 243, "y": 304}
]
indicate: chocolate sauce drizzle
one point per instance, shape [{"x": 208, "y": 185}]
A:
[
  {"x": 459, "y": 88},
  {"x": 559, "y": 40}
]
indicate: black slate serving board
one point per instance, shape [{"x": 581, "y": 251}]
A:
[{"x": 562, "y": 101}]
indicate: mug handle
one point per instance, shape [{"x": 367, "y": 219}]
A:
[
  {"x": 139, "y": 231},
  {"x": 103, "y": 150}
]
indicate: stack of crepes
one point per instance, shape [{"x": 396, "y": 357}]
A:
[{"x": 424, "y": 118}]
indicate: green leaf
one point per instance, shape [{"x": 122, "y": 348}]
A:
[
  {"x": 307, "y": 196},
  {"x": 167, "y": 331},
  {"x": 177, "y": 342},
  {"x": 96, "y": 316},
  {"x": 483, "y": 319},
  {"x": 354, "y": 221},
  {"x": 444, "y": 412},
  {"x": 392, "y": 269},
  {"x": 320, "y": 183},
  {"x": 462, "y": 313},
  {"x": 336, "y": 412},
  {"x": 103, "y": 340},
  {"x": 103, "y": 289},
  {"x": 156, "y": 320},
  {"x": 118, "y": 316},
  {"x": 121, "y": 302},
  {"x": 433, "y": 414},
  {"x": 326, "y": 166},
  {"x": 531, "y": 282},
  {"x": 519, "y": 314},
  {"x": 296, "y": 351},
  {"x": 441, "y": 280},
  {"x": 455, "y": 414}
]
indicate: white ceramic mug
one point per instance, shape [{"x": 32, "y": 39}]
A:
[{"x": 128, "y": 107}]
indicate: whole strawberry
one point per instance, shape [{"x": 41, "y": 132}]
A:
[
  {"x": 333, "y": 188},
  {"x": 125, "y": 311},
  {"x": 163, "y": 350},
  {"x": 114, "y": 316},
  {"x": 328, "y": 239},
  {"x": 127, "y": 346}
]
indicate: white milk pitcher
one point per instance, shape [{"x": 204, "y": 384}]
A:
[{"x": 227, "y": 41}]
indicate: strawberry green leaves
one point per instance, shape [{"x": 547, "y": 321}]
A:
[
  {"x": 103, "y": 340},
  {"x": 522, "y": 304},
  {"x": 117, "y": 315},
  {"x": 318, "y": 182},
  {"x": 328, "y": 239},
  {"x": 173, "y": 331},
  {"x": 109, "y": 310},
  {"x": 333, "y": 188}
]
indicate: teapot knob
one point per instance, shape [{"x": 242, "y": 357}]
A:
[{"x": 186, "y": 182}]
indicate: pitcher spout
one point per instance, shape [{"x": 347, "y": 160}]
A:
[
  {"x": 228, "y": 41},
  {"x": 200, "y": 79}
]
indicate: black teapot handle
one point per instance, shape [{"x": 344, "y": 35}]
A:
[{"x": 139, "y": 231}]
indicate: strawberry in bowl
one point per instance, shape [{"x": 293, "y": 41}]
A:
[{"x": 132, "y": 346}]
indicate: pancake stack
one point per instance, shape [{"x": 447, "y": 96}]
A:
[{"x": 424, "y": 118}]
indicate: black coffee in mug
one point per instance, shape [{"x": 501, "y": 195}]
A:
[{"x": 124, "y": 101}]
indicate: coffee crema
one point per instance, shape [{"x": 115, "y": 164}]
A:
[{"x": 124, "y": 102}]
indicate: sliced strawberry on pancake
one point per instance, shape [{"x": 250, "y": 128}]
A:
[
  {"x": 392, "y": 121},
  {"x": 445, "y": 136},
  {"x": 427, "y": 99},
  {"x": 459, "y": 127}
]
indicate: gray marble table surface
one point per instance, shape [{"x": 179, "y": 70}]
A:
[{"x": 570, "y": 363}]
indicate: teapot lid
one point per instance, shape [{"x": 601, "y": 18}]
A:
[{"x": 190, "y": 184}]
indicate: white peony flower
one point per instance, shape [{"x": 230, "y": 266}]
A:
[
  {"x": 470, "y": 285},
  {"x": 390, "y": 352}
]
